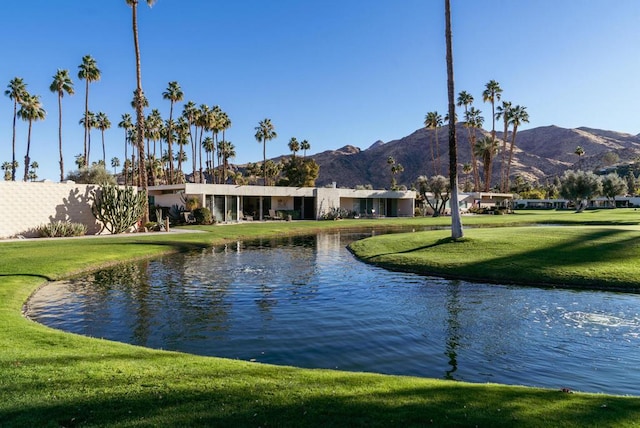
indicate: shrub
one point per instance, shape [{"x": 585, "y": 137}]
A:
[
  {"x": 60, "y": 229},
  {"x": 203, "y": 215}
]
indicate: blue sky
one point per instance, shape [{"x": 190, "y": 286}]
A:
[{"x": 334, "y": 72}]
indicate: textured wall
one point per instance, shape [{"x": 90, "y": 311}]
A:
[{"x": 26, "y": 205}]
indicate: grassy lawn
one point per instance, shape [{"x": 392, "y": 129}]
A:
[{"x": 51, "y": 378}]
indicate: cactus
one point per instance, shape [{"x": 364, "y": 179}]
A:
[{"x": 118, "y": 208}]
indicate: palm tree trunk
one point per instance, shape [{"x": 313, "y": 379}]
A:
[
  {"x": 104, "y": 153},
  {"x": 169, "y": 145},
  {"x": 13, "y": 142},
  {"x": 60, "y": 137},
  {"x": 511, "y": 146},
  {"x": 140, "y": 113},
  {"x": 27, "y": 159},
  {"x": 504, "y": 178},
  {"x": 437, "y": 151},
  {"x": 86, "y": 123},
  {"x": 456, "y": 223}
]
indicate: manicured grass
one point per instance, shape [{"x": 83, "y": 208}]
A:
[
  {"x": 603, "y": 257},
  {"x": 51, "y": 378}
]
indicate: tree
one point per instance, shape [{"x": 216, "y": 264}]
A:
[
  {"x": 613, "y": 185},
  {"x": 89, "y": 72},
  {"x": 396, "y": 168},
  {"x": 30, "y": 110},
  {"x": 33, "y": 175},
  {"x": 61, "y": 83},
  {"x": 456, "y": 223},
  {"x": 88, "y": 121},
  {"x": 265, "y": 131},
  {"x": 439, "y": 188},
  {"x": 16, "y": 91},
  {"x": 299, "y": 172},
  {"x": 304, "y": 146},
  {"x": 115, "y": 163},
  {"x": 139, "y": 106},
  {"x": 174, "y": 94},
  {"x": 294, "y": 146},
  {"x": 433, "y": 121},
  {"x": 103, "y": 123},
  {"x": 632, "y": 183},
  {"x": 473, "y": 121},
  {"x": 485, "y": 149},
  {"x": 579, "y": 187},
  {"x": 518, "y": 116},
  {"x": 127, "y": 125},
  {"x": 227, "y": 151},
  {"x": 492, "y": 93},
  {"x": 579, "y": 151},
  {"x": 504, "y": 113}
]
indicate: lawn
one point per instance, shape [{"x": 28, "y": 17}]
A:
[{"x": 51, "y": 378}]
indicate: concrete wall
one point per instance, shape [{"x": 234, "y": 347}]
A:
[{"x": 26, "y": 205}]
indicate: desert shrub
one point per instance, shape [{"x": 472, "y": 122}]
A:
[
  {"x": 203, "y": 215},
  {"x": 60, "y": 229},
  {"x": 118, "y": 208}
]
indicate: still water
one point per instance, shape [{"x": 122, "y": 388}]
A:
[{"x": 307, "y": 302}]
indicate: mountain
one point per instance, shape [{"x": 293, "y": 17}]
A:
[{"x": 540, "y": 152}]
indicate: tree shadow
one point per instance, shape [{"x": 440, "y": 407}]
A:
[{"x": 76, "y": 208}]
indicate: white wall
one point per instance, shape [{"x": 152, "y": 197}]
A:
[{"x": 27, "y": 205}]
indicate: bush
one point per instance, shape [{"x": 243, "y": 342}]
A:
[
  {"x": 203, "y": 215},
  {"x": 60, "y": 229}
]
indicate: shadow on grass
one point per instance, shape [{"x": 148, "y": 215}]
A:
[{"x": 225, "y": 402}]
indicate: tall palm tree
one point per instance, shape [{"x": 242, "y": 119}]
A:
[
  {"x": 518, "y": 116},
  {"x": 103, "y": 123},
  {"x": 456, "y": 223},
  {"x": 209, "y": 146},
  {"x": 30, "y": 110},
  {"x": 304, "y": 146},
  {"x": 126, "y": 124},
  {"x": 224, "y": 123},
  {"x": 89, "y": 72},
  {"x": 87, "y": 120},
  {"x": 433, "y": 121},
  {"x": 464, "y": 99},
  {"x": 294, "y": 146},
  {"x": 139, "y": 105},
  {"x": 485, "y": 149},
  {"x": 16, "y": 91},
  {"x": 190, "y": 114},
  {"x": 504, "y": 112},
  {"x": 265, "y": 131},
  {"x": 492, "y": 93},
  {"x": 173, "y": 93},
  {"x": 227, "y": 151},
  {"x": 474, "y": 121},
  {"x": 182, "y": 128},
  {"x": 203, "y": 121},
  {"x": 61, "y": 83}
]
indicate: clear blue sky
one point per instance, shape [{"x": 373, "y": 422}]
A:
[{"x": 334, "y": 72}]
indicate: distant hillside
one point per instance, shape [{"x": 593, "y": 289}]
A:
[{"x": 540, "y": 152}]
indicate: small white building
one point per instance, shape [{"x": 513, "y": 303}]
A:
[{"x": 231, "y": 203}]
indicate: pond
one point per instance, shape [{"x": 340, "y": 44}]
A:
[{"x": 307, "y": 302}]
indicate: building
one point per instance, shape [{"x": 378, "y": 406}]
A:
[{"x": 232, "y": 203}]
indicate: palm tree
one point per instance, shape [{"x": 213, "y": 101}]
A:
[
  {"x": 190, "y": 114},
  {"x": 433, "y": 121},
  {"x": 89, "y": 72},
  {"x": 473, "y": 121},
  {"x": 30, "y": 110},
  {"x": 61, "y": 83},
  {"x": 464, "y": 99},
  {"x": 492, "y": 93},
  {"x": 127, "y": 125},
  {"x": 504, "y": 112},
  {"x": 485, "y": 149},
  {"x": 88, "y": 121},
  {"x": 304, "y": 146},
  {"x": 17, "y": 91},
  {"x": 294, "y": 146},
  {"x": 203, "y": 121},
  {"x": 182, "y": 128},
  {"x": 103, "y": 123},
  {"x": 227, "y": 151},
  {"x": 139, "y": 106},
  {"x": 209, "y": 146},
  {"x": 224, "y": 123},
  {"x": 115, "y": 163},
  {"x": 456, "y": 223},
  {"x": 265, "y": 131},
  {"x": 518, "y": 116},
  {"x": 174, "y": 94}
]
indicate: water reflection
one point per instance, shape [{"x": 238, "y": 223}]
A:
[{"x": 305, "y": 301}]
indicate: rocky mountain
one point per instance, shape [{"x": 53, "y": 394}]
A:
[{"x": 540, "y": 152}]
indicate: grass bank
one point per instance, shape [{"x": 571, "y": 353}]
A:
[
  {"x": 594, "y": 257},
  {"x": 51, "y": 378}
]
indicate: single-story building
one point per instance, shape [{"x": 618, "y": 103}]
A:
[{"x": 231, "y": 203}]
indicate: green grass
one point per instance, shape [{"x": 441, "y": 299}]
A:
[{"x": 51, "y": 378}]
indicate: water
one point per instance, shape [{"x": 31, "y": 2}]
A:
[{"x": 307, "y": 302}]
